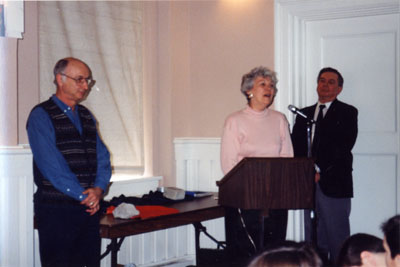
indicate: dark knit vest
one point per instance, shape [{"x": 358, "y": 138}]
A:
[{"x": 79, "y": 151}]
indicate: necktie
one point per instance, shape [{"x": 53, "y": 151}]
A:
[{"x": 317, "y": 131}]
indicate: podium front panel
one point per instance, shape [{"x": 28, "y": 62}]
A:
[{"x": 269, "y": 183}]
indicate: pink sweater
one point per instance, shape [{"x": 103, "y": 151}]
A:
[{"x": 249, "y": 133}]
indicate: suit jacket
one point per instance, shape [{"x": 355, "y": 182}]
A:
[{"x": 338, "y": 133}]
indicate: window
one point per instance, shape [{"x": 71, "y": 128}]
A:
[{"x": 107, "y": 35}]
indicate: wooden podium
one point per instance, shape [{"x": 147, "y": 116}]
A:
[
  {"x": 269, "y": 183},
  {"x": 254, "y": 186}
]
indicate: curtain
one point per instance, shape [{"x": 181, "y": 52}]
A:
[{"x": 107, "y": 35}]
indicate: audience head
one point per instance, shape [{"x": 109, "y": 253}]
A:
[
  {"x": 362, "y": 250},
  {"x": 291, "y": 254},
  {"x": 391, "y": 243},
  {"x": 249, "y": 82}
]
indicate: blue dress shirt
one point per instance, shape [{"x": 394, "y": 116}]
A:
[{"x": 51, "y": 162}]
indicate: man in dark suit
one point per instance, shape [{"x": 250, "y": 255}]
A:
[{"x": 334, "y": 135}]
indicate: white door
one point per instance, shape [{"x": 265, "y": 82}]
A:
[{"x": 364, "y": 47}]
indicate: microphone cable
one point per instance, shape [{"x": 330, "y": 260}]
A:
[{"x": 247, "y": 232}]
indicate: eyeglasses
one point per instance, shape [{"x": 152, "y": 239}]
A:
[{"x": 81, "y": 80}]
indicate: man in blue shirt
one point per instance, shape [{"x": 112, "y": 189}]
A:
[{"x": 71, "y": 168}]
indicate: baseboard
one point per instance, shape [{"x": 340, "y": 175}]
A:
[{"x": 182, "y": 262}]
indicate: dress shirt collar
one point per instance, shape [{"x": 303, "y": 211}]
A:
[
  {"x": 327, "y": 105},
  {"x": 64, "y": 107}
]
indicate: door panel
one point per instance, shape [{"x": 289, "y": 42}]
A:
[{"x": 375, "y": 193}]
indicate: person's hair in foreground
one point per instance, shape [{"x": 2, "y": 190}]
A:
[
  {"x": 354, "y": 248},
  {"x": 290, "y": 254},
  {"x": 391, "y": 230}
]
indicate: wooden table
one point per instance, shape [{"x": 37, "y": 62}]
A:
[{"x": 190, "y": 212}]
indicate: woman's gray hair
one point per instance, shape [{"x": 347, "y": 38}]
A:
[{"x": 249, "y": 78}]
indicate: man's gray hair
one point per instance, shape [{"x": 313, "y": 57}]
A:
[
  {"x": 59, "y": 68},
  {"x": 62, "y": 64}
]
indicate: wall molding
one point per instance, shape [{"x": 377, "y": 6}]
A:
[
  {"x": 334, "y": 9},
  {"x": 14, "y": 18}
]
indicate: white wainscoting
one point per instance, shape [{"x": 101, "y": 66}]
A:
[
  {"x": 198, "y": 163},
  {"x": 198, "y": 168},
  {"x": 16, "y": 207},
  {"x": 19, "y": 242}
]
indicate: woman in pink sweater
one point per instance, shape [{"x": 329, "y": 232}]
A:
[{"x": 256, "y": 131}]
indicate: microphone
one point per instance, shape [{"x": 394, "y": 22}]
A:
[{"x": 297, "y": 111}]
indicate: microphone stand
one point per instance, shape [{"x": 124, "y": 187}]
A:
[
  {"x": 313, "y": 214},
  {"x": 310, "y": 122},
  {"x": 310, "y": 219}
]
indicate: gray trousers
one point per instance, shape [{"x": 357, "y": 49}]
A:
[{"x": 333, "y": 225}]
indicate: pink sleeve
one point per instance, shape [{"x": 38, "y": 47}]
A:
[
  {"x": 229, "y": 146},
  {"x": 286, "y": 141}
]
